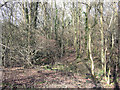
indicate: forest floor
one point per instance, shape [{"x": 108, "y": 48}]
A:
[
  {"x": 41, "y": 77},
  {"x": 44, "y": 79}
]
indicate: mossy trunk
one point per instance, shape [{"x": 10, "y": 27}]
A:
[{"x": 90, "y": 54}]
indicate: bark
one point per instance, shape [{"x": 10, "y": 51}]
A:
[
  {"x": 56, "y": 17},
  {"x": 63, "y": 25},
  {"x": 102, "y": 35},
  {"x": 119, "y": 34},
  {"x": 90, "y": 54}
]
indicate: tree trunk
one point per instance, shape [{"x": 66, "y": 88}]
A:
[
  {"x": 90, "y": 54},
  {"x": 102, "y": 35}
]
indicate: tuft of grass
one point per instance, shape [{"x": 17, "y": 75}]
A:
[
  {"x": 58, "y": 67},
  {"x": 47, "y": 67},
  {"x": 41, "y": 82}
]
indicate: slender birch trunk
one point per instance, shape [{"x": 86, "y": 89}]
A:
[
  {"x": 63, "y": 25},
  {"x": 90, "y": 53},
  {"x": 102, "y": 35}
]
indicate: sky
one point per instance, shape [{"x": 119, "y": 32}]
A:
[{"x": 59, "y": 2}]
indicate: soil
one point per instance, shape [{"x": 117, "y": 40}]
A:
[{"x": 40, "y": 78}]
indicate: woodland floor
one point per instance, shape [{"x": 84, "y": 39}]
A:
[
  {"x": 34, "y": 78},
  {"x": 18, "y": 77}
]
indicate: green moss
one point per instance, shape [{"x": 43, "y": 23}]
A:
[{"x": 58, "y": 67}]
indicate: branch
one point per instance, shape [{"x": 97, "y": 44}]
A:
[
  {"x": 10, "y": 49},
  {"x": 3, "y": 4},
  {"x": 110, "y": 22}
]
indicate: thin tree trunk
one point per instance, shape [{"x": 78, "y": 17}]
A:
[
  {"x": 105, "y": 66},
  {"x": 63, "y": 25},
  {"x": 102, "y": 35},
  {"x": 118, "y": 34},
  {"x": 90, "y": 54}
]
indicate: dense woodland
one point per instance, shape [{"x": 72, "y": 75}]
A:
[{"x": 72, "y": 37}]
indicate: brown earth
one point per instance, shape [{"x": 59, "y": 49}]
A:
[{"x": 40, "y": 78}]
